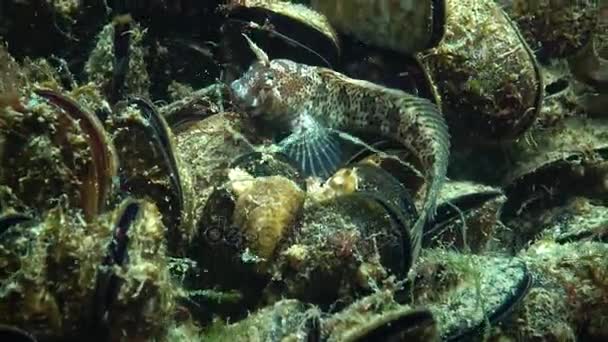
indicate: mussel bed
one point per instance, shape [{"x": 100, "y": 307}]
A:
[{"x": 139, "y": 202}]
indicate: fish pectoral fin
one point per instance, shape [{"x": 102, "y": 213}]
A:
[{"x": 316, "y": 150}]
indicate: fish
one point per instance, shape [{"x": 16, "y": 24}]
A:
[{"x": 314, "y": 104}]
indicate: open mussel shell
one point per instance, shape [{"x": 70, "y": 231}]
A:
[
  {"x": 407, "y": 26},
  {"x": 149, "y": 167},
  {"x": 491, "y": 96},
  {"x": 53, "y": 147},
  {"x": 282, "y": 29},
  {"x": 555, "y": 28},
  {"x": 452, "y": 286},
  {"x": 468, "y": 211},
  {"x": 195, "y": 107}
]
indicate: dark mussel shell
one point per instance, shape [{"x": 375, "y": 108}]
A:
[
  {"x": 223, "y": 242},
  {"x": 196, "y": 107},
  {"x": 282, "y": 29},
  {"x": 148, "y": 165},
  {"x": 13, "y": 334},
  {"x": 478, "y": 205},
  {"x": 108, "y": 284},
  {"x": 124, "y": 295},
  {"x": 590, "y": 65},
  {"x": 348, "y": 240}
]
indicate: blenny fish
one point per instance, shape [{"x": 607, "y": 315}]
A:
[{"x": 312, "y": 103}]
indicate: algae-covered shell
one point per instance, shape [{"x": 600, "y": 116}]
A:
[
  {"x": 281, "y": 28},
  {"x": 451, "y": 285},
  {"x": 134, "y": 294},
  {"x": 53, "y": 147},
  {"x": 555, "y": 28},
  {"x": 378, "y": 317},
  {"x": 403, "y": 324},
  {"x": 113, "y": 274},
  {"x": 563, "y": 161},
  {"x": 149, "y": 166},
  {"x": 243, "y": 223},
  {"x": 354, "y": 232},
  {"x": 285, "y": 320},
  {"x": 487, "y": 76},
  {"x": 467, "y": 216},
  {"x": 207, "y": 147},
  {"x": 407, "y": 26}
]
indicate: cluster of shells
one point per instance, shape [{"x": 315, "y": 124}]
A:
[{"x": 137, "y": 203}]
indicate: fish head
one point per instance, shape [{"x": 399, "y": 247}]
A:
[{"x": 272, "y": 91}]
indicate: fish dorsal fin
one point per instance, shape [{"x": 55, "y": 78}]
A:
[{"x": 261, "y": 56}]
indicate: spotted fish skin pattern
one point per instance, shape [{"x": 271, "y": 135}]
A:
[{"x": 290, "y": 94}]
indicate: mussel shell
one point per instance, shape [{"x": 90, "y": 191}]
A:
[
  {"x": 260, "y": 164},
  {"x": 589, "y": 66},
  {"x": 285, "y": 320},
  {"x": 207, "y": 147},
  {"x": 380, "y": 183},
  {"x": 490, "y": 96},
  {"x": 553, "y": 28},
  {"x": 407, "y": 26},
  {"x": 403, "y": 325},
  {"x": 132, "y": 287},
  {"x": 450, "y": 286},
  {"x": 341, "y": 245},
  {"x": 282, "y": 29},
  {"x": 196, "y": 107},
  {"x": 13, "y": 334},
  {"x": 556, "y": 179},
  {"x": 479, "y": 206},
  {"x": 396, "y": 162},
  {"x": 56, "y": 148},
  {"x": 242, "y": 220},
  {"x": 148, "y": 164}
]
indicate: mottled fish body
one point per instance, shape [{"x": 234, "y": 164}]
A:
[{"x": 312, "y": 103}]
